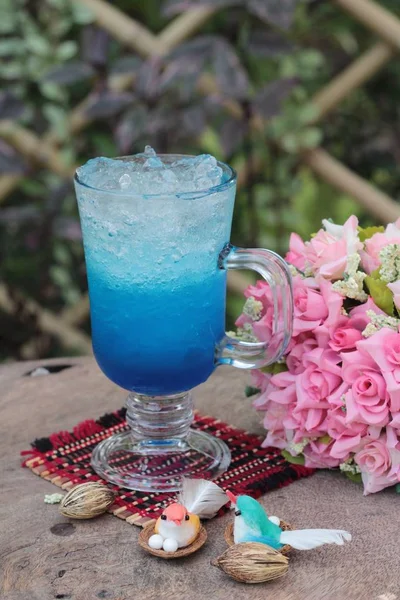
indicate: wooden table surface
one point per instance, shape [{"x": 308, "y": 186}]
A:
[{"x": 101, "y": 559}]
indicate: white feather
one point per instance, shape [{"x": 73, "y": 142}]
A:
[
  {"x": 306, "y": 539},
  {"x": 202, "y": 498}
]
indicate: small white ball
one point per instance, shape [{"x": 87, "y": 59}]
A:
[
  {"x": 170, "y": 545},
  {"x": 156, "y": 541}
]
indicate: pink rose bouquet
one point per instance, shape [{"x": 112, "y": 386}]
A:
[{"x": 333, "y": 400}]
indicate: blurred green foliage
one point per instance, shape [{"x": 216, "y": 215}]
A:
[{"x": 268, "y": 57}]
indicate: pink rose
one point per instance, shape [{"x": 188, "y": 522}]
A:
[
  {"x": 318, "y": 456},
  {"x": 367, "y": 400},
  {"x": 328, "y": 251},
  {"x": 370, "y": 255},
  {"x": 347, "y": 436},
  {"x": 320, "y": 378},
  {"x": 395, "y": 288},
  {"x": 296, "y": 255},
  {"x": 345, "y": 337},
  {"x": 384, "y": 348},
  {"x": 283, "y": 388},
  {"x": 374, "y": 462},
  {"x": 333, "y": 300},
  {"x": 276, "y": 439},
  {"x": 273, "y": 423},
  {"x": 309, "y": 306},
  {"x": 294, "y": 359},
  {"x": 340, "y": 337}
]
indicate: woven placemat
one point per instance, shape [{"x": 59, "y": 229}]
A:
[{"x": 64, "y": 459}]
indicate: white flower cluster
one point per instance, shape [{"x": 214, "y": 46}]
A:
[
  {"x": 390, "y": 263},
  {"x": 349, "y": 466},
  {"x": 296, "y": 449},
  {"x": 377, "y": 322},
  {"x": 53, "y": 498},
  {"x": 352, "y": 284},
  {"x": 253, "y": 308},
  {"x": 245, "y": 333}
]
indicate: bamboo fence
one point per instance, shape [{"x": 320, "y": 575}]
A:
[{"x": 45, "y": 152}]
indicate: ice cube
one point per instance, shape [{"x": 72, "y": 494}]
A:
[
  {"x": 125, "y": 181},
  {"x": 149, "y": 151},
  {"x": 153, "y": 163}
]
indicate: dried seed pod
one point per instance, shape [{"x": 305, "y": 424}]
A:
[
  {"x": 87, "y": 500},
  {"x": 252, "y": 562}
]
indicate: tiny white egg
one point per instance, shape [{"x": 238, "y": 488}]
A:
[
  {"x": 156, "y": 541},
  {"x": 170, "y": 545}
]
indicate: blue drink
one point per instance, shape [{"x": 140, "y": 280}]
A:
[
  {"x": 156, "y": 232},
  {"x": 157, "y": 295}
]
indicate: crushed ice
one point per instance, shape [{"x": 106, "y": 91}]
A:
[{"x": 148, "y": 174}]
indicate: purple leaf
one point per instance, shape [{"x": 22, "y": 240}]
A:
[
  {"x": 19, "y": 215},
  {"x": 194, "y": 120},
  {"x": 269, "y": 98},
  {"x": 69, "y": 73},
  {"x": 231, "y": 135},
  {"x": 131, "y": 126},
  {"x": 148, "y": 78},
  {"x": 10, "y": 161},
  {"x": 108, "y": 104},
  {"x": 67, "y": 228},
  {"x": 95, "y": 45},
  {"x": 200, "y": 46},
  {"x": 231, "y": 76},
  {"x": 268, "y": 43},
  {"x": 174, "y": 7},
  {"x": 10, "y": 106},
  {"x": 126, "y": 64},
  {"x": 275, "y": 12}
]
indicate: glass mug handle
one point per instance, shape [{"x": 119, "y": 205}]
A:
[{"x": 273, "y": 269}]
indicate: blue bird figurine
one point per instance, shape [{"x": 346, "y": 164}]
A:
[{"x": 252, "y": 524}]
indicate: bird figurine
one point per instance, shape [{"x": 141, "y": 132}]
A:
[
  {"x": 252, "y": 524},
  {"x": 179, "y": 524}
]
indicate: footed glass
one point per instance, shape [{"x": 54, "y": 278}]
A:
[{"x": 156, "y": 267}]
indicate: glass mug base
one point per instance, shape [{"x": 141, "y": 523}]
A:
[
  {"x": 159, "y": 449},
  {"x": 159, "y": 466}
]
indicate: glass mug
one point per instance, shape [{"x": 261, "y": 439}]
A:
[{"x": 157, "y": 267}]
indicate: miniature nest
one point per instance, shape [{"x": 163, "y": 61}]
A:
[
  {"x": 228, "y": 535},
  {"x": 148, "y": 531}
]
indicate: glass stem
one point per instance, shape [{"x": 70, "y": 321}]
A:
[{"x": 158, "y": 418}]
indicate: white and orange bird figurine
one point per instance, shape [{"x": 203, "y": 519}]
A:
[{"x": 179, "y": 524}]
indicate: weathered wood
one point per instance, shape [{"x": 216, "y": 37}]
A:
[{"x": 44, "y": 556}]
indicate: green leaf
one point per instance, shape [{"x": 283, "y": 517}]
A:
[
  {"x": 66, "y": 50},
  {"x": 397, "y": 488},
  {"x": 380, "y": 294},
  {"x": 296, "y": 460},
  {"x": 311, "y": 137},
  {"x": 376, "y": 274},
  {"x": 251, "y": 391},
  {"x": 356, "y": 477},
  {"x": 210, "y": 142},
  {"x": 367, "y": 232},
  {"x": 325, "y": 439},
  {"x": 290, "y": 142},
  {"x": 275, "y": 368}
]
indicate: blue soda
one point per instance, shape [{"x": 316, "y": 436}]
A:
[{"x": 157, "y": 294}]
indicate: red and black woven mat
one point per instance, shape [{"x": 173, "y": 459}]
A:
[{"x": 64, "y": 459}]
